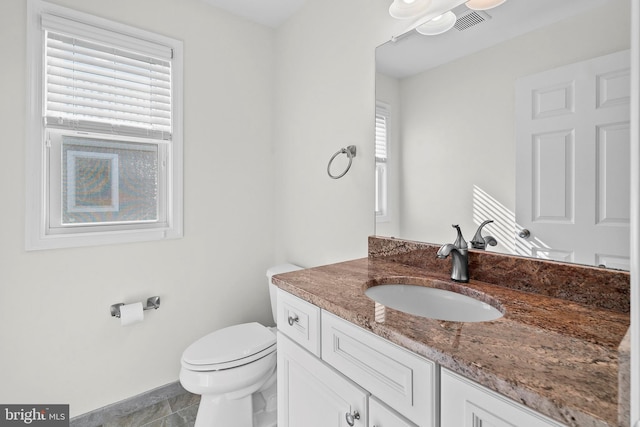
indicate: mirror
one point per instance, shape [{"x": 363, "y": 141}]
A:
[{"x": 453, "y": 124}]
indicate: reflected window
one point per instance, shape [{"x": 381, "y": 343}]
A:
[{"x": 382, "y": 164}]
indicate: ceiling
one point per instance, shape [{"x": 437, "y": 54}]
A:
[
  {"x": 271, "y": 13},
  {"x": 511, "y": 19}
]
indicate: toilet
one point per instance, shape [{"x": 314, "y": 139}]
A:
[{"x": 234, "y": 370}]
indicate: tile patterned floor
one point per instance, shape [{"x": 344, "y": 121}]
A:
[
  {"x": 167, "y": 406},
  {"x": 179, "y": 411}
]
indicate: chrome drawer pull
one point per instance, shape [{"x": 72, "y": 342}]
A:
[{"x": 293, "y": 319}]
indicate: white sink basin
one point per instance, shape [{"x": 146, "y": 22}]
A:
[{"x": 433, "y": 303}]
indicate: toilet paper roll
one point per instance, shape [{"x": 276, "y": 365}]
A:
[{"x": 131, "y": 313}]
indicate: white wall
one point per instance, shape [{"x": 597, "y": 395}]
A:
[
  {"x": 325, "y": 82},
  {"x": 58, "y": 343},
  {"x": 457, "y": 121}
]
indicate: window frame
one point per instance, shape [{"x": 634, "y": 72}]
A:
[{"x": 38, "y": 233}]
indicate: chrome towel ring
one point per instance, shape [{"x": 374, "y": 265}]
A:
[{"x": 350, "y": 151}]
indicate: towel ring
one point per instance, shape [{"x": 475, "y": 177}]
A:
[{"x": 350, "y": 151}]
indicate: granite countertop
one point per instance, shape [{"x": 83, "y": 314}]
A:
[{"x": 553, "y": 355}]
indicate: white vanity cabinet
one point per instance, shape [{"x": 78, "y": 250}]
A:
[
  {"x": 333, "y": 373},
  {"x": 311, "y": 394},
  {"x": 467, "y": 404}
]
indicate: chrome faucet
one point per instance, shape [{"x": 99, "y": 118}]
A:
[
  {"x": 459, "y": 257},
  {"x": 479, "y": 242}
]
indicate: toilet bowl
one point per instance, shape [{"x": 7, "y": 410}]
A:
[
  {"x": 227, "y": 367},
  {"x": 234, "y": 370}
]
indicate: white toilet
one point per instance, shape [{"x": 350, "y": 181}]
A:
[{"x": 234, "y": 369}]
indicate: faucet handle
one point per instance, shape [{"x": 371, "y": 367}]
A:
[
  {"x": 460, "y": 243},
  {"x": 479, "y": 242}
]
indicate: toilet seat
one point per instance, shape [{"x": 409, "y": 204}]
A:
[{"x": 230, "y": 347}]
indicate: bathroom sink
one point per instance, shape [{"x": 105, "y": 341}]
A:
[{"x": 433, "y": 303}]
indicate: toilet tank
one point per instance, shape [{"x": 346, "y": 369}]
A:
[{"x": 278, "y": 269}]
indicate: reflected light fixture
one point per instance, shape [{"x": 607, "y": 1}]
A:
[
  {"x": 483, "y": 4},
  {"x": 438, "y": 25},
  {"x": 406, "y": 9}
]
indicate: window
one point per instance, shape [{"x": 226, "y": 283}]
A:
[
  {"x": 104, "y": 138},
  {"x": 382, "y": 165}
]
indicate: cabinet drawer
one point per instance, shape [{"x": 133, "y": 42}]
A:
[
  {"x": 465, "y": 403},
  {"x": 382, "y": 416},
  {"x": 401, "y": 379},
  {"x": 299, "y": 320}
]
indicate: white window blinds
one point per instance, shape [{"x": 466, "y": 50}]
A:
[
  {"x": 94, "y": 85},
  {"x": 382, "y": 119}
]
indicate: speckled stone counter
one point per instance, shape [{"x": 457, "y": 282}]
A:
[{"x": 555, "y": 349}]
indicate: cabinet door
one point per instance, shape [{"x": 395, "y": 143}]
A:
[
  {"x": 311, "y": 394},
  {"x": 381, "y": 415},
  {"x": 467, "y": 404}
]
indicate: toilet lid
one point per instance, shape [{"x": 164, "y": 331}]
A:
[{"x": 229, "y": 344}]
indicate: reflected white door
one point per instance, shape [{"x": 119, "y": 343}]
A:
[{"x": 572, "y": 162}]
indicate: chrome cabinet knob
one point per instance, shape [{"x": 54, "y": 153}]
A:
[
  {"x": 293, "y": 319},
  {"x": 524, "y": 234},
  {"x": 352, "y": 417}
]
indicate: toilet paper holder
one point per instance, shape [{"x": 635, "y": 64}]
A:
[{"x": 152, "y": 303}]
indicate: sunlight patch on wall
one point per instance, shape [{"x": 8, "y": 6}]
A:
[{"x": 505, "y": 228}]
